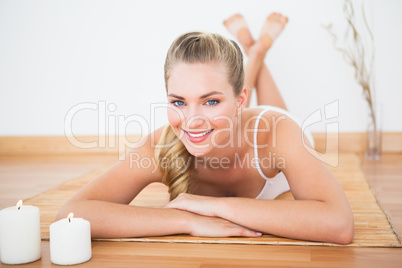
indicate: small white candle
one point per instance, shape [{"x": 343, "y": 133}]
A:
[
  {"x": 20, "y": 240},
  {"x": 70, "y": 241}
]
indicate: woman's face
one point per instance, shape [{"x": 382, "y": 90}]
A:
[{"x": 202, "y": 106}]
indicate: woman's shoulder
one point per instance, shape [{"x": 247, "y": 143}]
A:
[
  {"x": 262, "y": 110},
  {"x": 263, "y": 114},
  {"x": 148, "y": 142},
  {"x": 139, "y": 159},
  {"x": 273, "y": 122}
]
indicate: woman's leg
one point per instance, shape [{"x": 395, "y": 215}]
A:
[
  {"x": 267, "y": 91},
  {"x": 257, "y": 73}
]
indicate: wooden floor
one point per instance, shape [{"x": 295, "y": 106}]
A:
[{"x": 22, "y": 177}]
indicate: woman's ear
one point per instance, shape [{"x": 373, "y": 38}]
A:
[{"x": 242, "y": 101}]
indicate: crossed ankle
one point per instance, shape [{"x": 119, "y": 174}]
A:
[
  {"x": 259, "y": 49},
  {"x": 271, "y": 29}
]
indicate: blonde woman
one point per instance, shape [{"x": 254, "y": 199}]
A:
[{"x": 224, "y": 163}]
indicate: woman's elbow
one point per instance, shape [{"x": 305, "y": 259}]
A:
[
  {"x": 65, "y": 210},
  {"x": 343, "y": 230},
  {"x": 60, "y": 214}
]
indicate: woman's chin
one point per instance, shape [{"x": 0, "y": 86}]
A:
[{"x": 198, "y": 152}]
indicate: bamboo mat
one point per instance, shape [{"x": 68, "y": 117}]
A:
[{"x": 372, "y": 227}]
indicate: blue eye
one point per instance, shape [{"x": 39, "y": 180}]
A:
[
  {"x": 178, "y": 103},
  {"x": 212, "y": 102}
]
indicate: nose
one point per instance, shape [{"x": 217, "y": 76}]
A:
[
  {"x": 195, "y": 122},
  {"x": 195, "y": 119}
]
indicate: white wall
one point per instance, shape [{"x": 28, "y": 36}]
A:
[{"x": 55, "y": 55}]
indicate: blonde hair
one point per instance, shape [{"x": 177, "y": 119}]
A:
[{"x": 174, "y": 161}]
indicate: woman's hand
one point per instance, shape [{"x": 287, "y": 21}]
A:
[
  {"x": 205, "y": 226},
  {"x": 202, "y": 205},
  {"x": 206, "y": 223}
]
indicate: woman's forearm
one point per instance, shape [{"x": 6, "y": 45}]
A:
[
  {"x": 299, "y": 219},
  {"x": 111, "y": 220}
]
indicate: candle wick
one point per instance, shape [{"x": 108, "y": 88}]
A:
[
  {"x": 69, "y": 219},
  {"x": 19, "y": 208}
]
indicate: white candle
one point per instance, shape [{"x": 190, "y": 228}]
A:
[
  {"x": 70, "y": 241},
  {"x": 20, "y": 240}
]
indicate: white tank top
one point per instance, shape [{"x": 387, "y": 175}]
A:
[{"x": 277, "y": 185}]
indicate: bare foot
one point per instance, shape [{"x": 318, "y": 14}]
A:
[
  {"x": 237, "y": 26},
  {"x": 273, "y": 26}
]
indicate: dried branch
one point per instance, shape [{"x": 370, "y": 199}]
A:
[{"x": 354, "y": 53}]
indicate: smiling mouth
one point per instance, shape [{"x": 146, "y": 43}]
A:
[{"x": 198, "y": 135}]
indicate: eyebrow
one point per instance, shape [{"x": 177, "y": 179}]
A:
[{"x": 202, "y": 97}]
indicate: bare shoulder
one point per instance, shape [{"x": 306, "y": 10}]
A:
[
  {"x": 265, "y": 114},
  {"x": 307, "y": 175},
  {"x": 145, "y": 146},
  {"x": 279, "y": 134},
  {"x": 129, "y": 175},
  {"x": 140, "y": 160},
  {"x": 265, "y": 130},
  {"x": 249, "y": 117}
]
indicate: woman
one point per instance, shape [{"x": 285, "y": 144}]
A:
[{"x": 224, "y": 164}]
